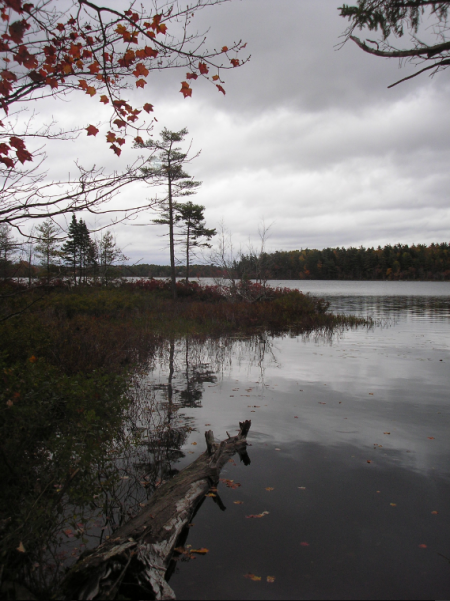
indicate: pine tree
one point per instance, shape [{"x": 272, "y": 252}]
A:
[
  {"x": 79, "y": 250},
  {"x": 47, "y": 245},
  {"x": 108, "y": 253},
  {"x": 191, "y": 218},
  {"x": 169, "y": 171}
]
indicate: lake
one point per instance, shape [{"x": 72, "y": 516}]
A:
[
  {"x": 349, "y": 452},
  {"x": 347, "y": 493}
]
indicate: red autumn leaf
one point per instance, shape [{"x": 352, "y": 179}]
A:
[
  {"x": 8, "y": 75},
  {"x": 94, "y": 68},
  {"x": 23, "y": 155},
  {"x": 119, "y": 123},
  {"x": 185, "y": 89},
  {"x": 52, "y": 82},
  {"x": 23, "y": 57},
  {"x": 104, "y": 99},
  {"x": 215, "y": 77},
  {"x": 140, "y": 70},
  {"x": 138, "y": 140},
  {"x": 140, "y": 83},
  {"x": 430, "y": 437},
  {"x": 116, "y": 149},
  {"x": 121, "y": 141},
  {"x": 423, "y": 546},
  {"x": 221, "y": 89},
  {"x": 111, "y": 137},
  {"x": 224, "y": 48},
  {"x": 202, "y": 67},
  {"x": 7, "y": 161},
  {"x": 191, "y": 76},
  {"x": 17, "y": 30},
  {"x": 83, "y": 84},
  {"x": 304, "y": 544},
  {"x": 92, "y": 130},
  {"x": 17, "y": 143},
  {"x": 91, "y": 91},
  {"x": 235, "y": 62},
  {"x": 4, "y": 148},
  {"x": 146, "y": 52},
  {"x": 60, "y": 27}
]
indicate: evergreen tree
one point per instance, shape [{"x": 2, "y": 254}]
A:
[
  {"x": 47, "y": 246},
  {"x": 191, "y": 218},
  {"x": 79, "y": 251},
  {"x": 8, "y": 249},
  {"x": 108, "y": 253},
  {"x": 168, "y": 170}
]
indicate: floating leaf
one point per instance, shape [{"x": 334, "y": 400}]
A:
[
  {"x": 423, "y": 546},
  {"x": 386, "y": 432},
  {"x": 270, "y": 578},
  {"x": 393, "y": 504},
  {"x": 302, "y": 487},
  {"x": 258, "y": 515},
  {"x": 434, "y": 512},
  {"x": 369, "y": 461},
  {"x": 21, "y": 548},
  {"x": 201, "y": 551},
  {"x": 193, "y": 443},
  {"x": 304, "y": 544},
  {"x": 252, "y": 577},
  {"x": 242, "y": 502},
  {"x": 270, "y": 488},
  {"x": 430, "y": 437},
  {"x": 210, "y": 494}
]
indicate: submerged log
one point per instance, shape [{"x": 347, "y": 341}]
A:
[{"x": 141, "y": 550}]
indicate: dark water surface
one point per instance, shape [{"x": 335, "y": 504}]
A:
[{"x": 351, "y": 435}]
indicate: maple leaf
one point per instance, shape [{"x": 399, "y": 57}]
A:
[
  {"x": 83, "y": 84},
  {"x": 118, "y": 152},
  {"x": 140, "y": 83},
  {"x": 138, "y": 140},
  {"x": 224, "y": 48},
  {"x": 215, "y": 77},
  {"x": 140, "y": 70},
  {"x": 94, "y": 68},
  {"x": 235, "y": 62},
  {"x": 119, "y": 123},
  {"x": 91, "y": 91},
  {"x": 221, "y": 89},
  {"x": 4, "y": 148},
  {"x": 7, "y": 161},
  {"x": 121, "y": 141},
  {"x": 111, "y": 137},
  {"x": 147, "y": 52},
  {"x": 185, "y": 89},
  {"x": 17, "y": 30},
  {"x": 191, "y": 76},
  {"x": 202, "y": 67},
  {"x": 104, "y": 99},
  {"x": 52, "y": 82},
  {"x": 92, "y": 130}
]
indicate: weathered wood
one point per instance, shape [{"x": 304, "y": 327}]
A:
[{"x": 142, "y": 548}]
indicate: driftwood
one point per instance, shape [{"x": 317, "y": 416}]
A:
[{"x": 142, "y": 548}]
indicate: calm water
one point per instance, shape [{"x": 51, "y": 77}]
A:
[
  {"x": 349, "y": 456},
  {"x": 350, "y": 434}
]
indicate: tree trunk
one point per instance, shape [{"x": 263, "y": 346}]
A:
[
  {"x": 143, "y": 547},
  {"x": 171, "y": 240},
  {"x": 187, "y": 253}
]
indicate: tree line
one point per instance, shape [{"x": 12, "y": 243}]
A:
[{"x": 398, "y": 262}]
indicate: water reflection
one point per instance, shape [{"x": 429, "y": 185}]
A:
[{"x": 336, "y": 417}]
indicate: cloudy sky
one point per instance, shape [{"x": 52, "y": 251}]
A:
[{"x": 308, "y": 138}]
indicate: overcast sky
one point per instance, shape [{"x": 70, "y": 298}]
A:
[{"x": 307, "y": 138}]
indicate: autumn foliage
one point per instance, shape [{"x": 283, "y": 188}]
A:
[{"x": 99, "y": 52}]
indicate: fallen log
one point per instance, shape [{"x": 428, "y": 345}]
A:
[{"x": 142, "y": 549}]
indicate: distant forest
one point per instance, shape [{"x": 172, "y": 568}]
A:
[{"x": 399, "y": 262}]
